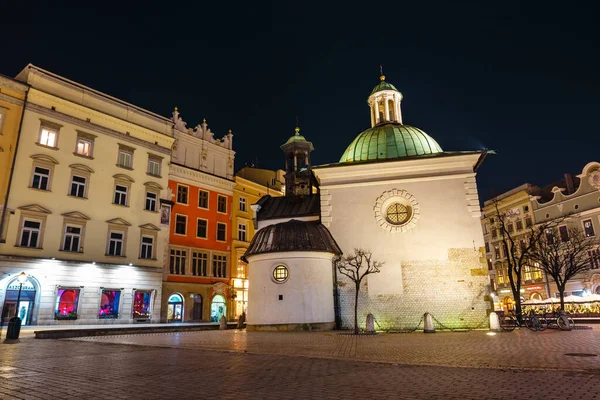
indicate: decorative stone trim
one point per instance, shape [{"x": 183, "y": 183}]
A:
[
  {"x": 472, "y": 197},
  {"x": 396, "y": 196},
  {"x": 326, "y": 208}
]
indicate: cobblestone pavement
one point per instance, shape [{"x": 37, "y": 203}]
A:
[{"x": 240, "y": 365}]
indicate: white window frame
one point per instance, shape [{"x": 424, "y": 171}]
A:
[
  {"x": 219, "y": 197},
  {"x": 122, "y": 241},
  {"x": 153, "y": 201},
  {"x": 175, "y": 225},
  {"x": 35, "y": 166},
  {"x": 592, "y": 226},
  {"x": 154, "y": 166},
  {"x": 198, "y": 220},
  {"x": 242, "y": 229},
  {"x": 66, "y": 234},
  {"x": 144, "y": 247},
  {"x": 117, "y": 191},
  {"x": 79, "y": 185},
  {"x": 85, "y": 142},
  {"x": 217, "y": 232},
  {"x": 243, "y": 206},
  {"x": 187, "y": 194},
  {"x": 207, "y": 199},
  {"x": 49, "y": 132},
  {"x": 127, "y": 155},
  {"x": 29, "y": 229}
]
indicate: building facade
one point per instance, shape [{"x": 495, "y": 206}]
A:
[
  {"x": 577, "y": 199},
  {"x": 198, "y": 267},
  {"x": 516, "y": 205},
  {"x": 250, "y": 185},
  {"x": 83, "y": 218}
]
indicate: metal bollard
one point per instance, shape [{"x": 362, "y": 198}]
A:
[
  {"x": 223, "y": 323},
  {"x": 370, "y": 324},
  {"x": 428, "y": 323},
  {"x": 494, "y": 322}
]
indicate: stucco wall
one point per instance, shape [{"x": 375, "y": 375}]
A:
[{"x": 307, "y": 294}]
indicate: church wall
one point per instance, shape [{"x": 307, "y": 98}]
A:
[
  {"x": 307, "y": 294},
  {"x": 435, "y": 266}
]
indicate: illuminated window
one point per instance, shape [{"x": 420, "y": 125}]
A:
[
  {"x": 48, "y": 137},
  {"x": 84, "y": 147},
  {"x": 109, "y": 304},
  {"x": 397, "y": 214},
  {"x": 280, "y": 273},
  {"x": 66, "y": 304},
  {"x": 500, "y": 276},
  {"x": 527, "y": 275},
  {"x": 141, "y": 304},
  {"x": 497, "y": 251}
]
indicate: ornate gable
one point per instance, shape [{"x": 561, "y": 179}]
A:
[
  {"x": 35, "y": 208},
  {"x": 44, "y": 158},
  {"x": 153, "y": 185},
  {"x": 118, "y": 221},
  {"x": 150, "y": 227},
  {"x": 81, "y": 167},
  {"x": 76, "y": 215},
  {"x": 123, "y": 177}
]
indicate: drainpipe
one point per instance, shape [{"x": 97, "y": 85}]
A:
[
  {"x": 12, "y": 169},
  {"x": 336, "y": 297}
]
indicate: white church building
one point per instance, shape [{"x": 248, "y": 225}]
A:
[{"x": 394, "y": 192}]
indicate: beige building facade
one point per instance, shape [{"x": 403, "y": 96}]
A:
[{"x": 83, "y": 218}]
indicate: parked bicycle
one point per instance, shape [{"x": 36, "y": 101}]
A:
[
  {"x": 559, "y": 319},
  {"x": 532, "y": 321}
]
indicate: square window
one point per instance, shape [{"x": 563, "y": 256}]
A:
[
  {"x": 221, "y": 231},
  {"x": 77, "y": 186},
  {"x": 125, "y": 159},
  {"x": 242, "y": 232},
  {"x": 180, "y": 224},
  {"x": 242, "y": 204},
  {"x": 66, "y": 304},
  {"x": 150, "y": 201},
  {"x": 177, "y": 261},
  {"x": 222, "y": 204},
  {"x": 121, "y": 195},
  {"x": 147, "y": 247},
  {"x": 72, "y": 238},
  {"x": 588, "y": 227},
  {"x": 109, "y": 304},
  {"x": 84, "y": 147},
  {"x": 41, "y": 178},
  {"x": 203, "y": 199},
  {"x": 182, "y": 194},
  {"x": 202, "y": 228},
  {"x": 48, "y": 137},
  {"x": 30, "y": 233},
  {"x": 115, "y": 243},
  {"x": 153, "y": 166}
]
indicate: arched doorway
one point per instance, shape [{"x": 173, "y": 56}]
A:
[
  {"x": 175, "y": 308},
  {"x": 535, "y": 296},
  {"x": 218, "y": 308},
  {"x": 26, "y": 301},
  {"x": 509, "y": 304}
]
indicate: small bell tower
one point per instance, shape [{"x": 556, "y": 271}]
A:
[{"x": 299, "y": 179}]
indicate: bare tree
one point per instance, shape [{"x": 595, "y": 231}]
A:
[
  {"x": 565, "y": 255},
  {"x": 356, "y": 266},
  {"x": 517, "y": 249}
]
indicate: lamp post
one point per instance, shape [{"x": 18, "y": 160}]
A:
[{"x": 14, "y": 325}]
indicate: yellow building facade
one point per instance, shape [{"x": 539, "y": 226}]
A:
[
  {"x": 12, "y": 98},
  {"x": 250, "y": 185}
]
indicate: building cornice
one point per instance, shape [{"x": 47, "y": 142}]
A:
[
  {"x": 243, "y": 182},
  {"x": 198, "y": 178},
  {"x": 11, "y": 99},
  {"x": 13, "y": 84},
  {"x": 100, "y": 129}
]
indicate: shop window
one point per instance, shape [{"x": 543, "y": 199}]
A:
[
  {"x": 221, "y": 230},
  {"x": 109, "y": 304},
  {"x": 588, "y": 228},
  {"x": 66, "y": 303},
  {"x": 242, "y": 204},
  {"x": 175, "y": 308},
  {"x": 219, "y": 266},
  {"x": 177, "y": 261},
  {"x": 203, "y": 199},
  {"x": 199, "y": 263},
  {"x": 202, "y": 228},
  {"x": 180, "y": 224},
  {"x": 141, "y": 304},
  {"x": 182, "y": 194},
  {"x": 222, "y": 204}
]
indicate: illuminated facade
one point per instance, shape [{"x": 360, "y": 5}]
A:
[
  {"x": 250, "y": 185},
  {"x": 516, "y": 205},
  {"x": 198, "y": 265},
  {"x": 83, "y": 216}
]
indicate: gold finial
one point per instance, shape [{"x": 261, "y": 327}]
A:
[
  {"x": 176, "y": 108},
  {"x": 297, "y": 131},
  {"x": 230, "y": 132},
  {"x": 204, "y": 120},
  {"x": 382, "y": 77}
]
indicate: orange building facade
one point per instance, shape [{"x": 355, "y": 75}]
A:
[{"x": 197, "y": 274}]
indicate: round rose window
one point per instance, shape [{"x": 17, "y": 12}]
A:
[
  {"x": 280, "y": 273},
  {"x": 397, "y": 214}
]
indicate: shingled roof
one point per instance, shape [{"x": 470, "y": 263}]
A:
[
  {"x": 293, "y": 235},
  {"x": 288, "y": 207}
]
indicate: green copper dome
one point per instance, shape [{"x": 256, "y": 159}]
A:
[
  {"x": 389, "y": 141},
  {"x": 383, "y": 85}
]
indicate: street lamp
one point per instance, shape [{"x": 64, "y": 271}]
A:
[{"x": 14, "y": 325}]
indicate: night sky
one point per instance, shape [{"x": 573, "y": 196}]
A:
[{"x": 522, "y": 79}]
